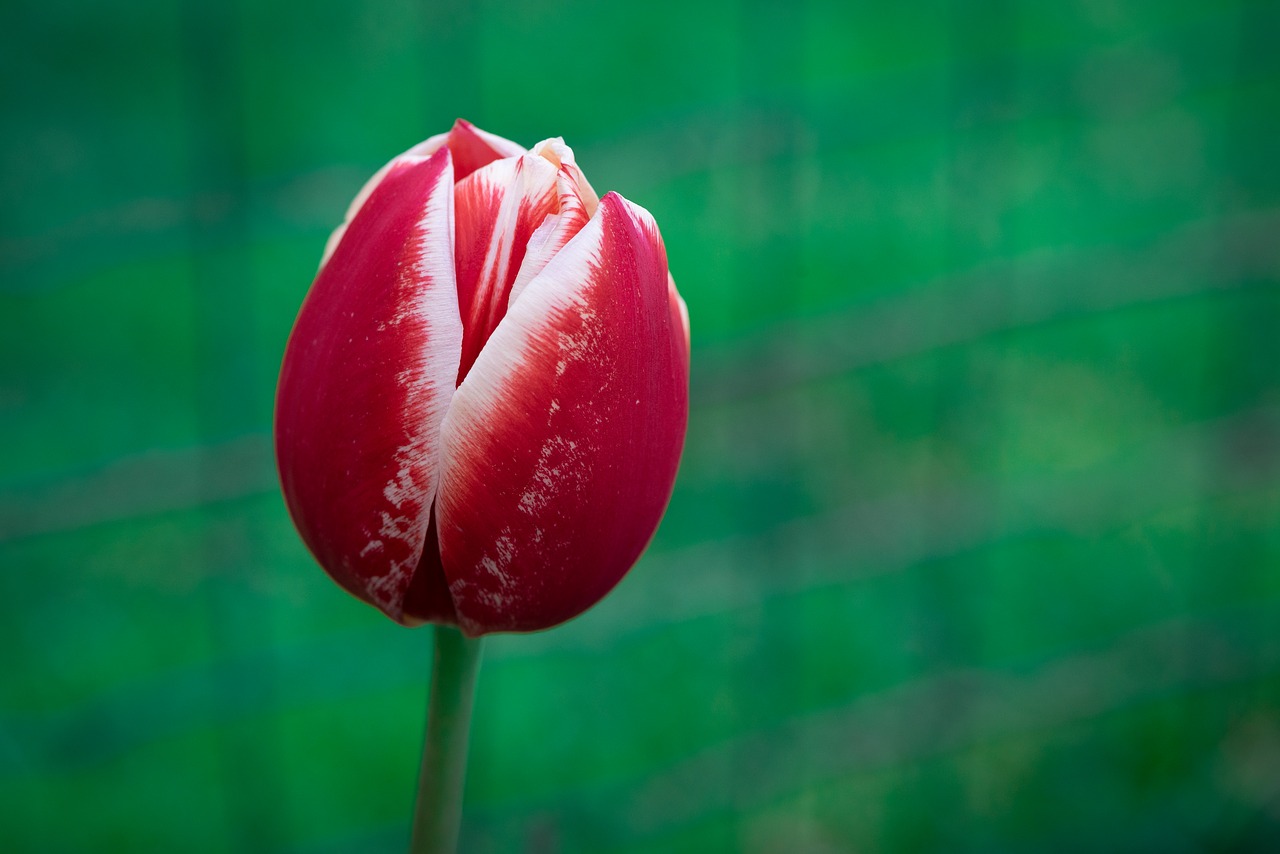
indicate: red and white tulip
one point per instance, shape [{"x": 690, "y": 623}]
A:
[{"x": 483, "y": 401}]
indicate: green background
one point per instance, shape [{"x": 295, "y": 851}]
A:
[{"x": 976, "y": 541}]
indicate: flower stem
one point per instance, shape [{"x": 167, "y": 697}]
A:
[{"x": 438, "y": 812}]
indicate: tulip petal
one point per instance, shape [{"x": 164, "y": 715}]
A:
[
  {"x": 498, "y": 209},
  {"x": 577, "y": 204},
  {"x": 367, "y": 376},
  {"x": 474, "y": 149},
  {"x": 470, "y": 147},
  {"x": 560, "y": 448}
]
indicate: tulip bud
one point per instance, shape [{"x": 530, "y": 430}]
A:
[{"x": 484, "y": 398}]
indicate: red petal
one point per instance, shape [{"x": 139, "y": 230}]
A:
[
  {"x": 560, "y": 449},
  {"x": 498, "y": 209},
  {"x": 367, "y": 377},
  {"x": 473, "y": 148}
]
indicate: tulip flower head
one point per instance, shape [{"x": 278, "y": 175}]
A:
[{"x": 484, "y": 398}]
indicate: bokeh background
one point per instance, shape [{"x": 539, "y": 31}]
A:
[{"x": 976, "y": 543}]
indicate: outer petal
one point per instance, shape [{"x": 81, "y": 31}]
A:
[
  {"x": 367, "y": 377},
  {"x": 560, "y": 449}
]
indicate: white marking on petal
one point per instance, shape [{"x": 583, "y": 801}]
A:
[{"x": 497, "y": 564}]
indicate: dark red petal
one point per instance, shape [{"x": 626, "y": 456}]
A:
[
  {"x": 560, "y": 448},
  {"x": 368, "y": 374},
  {"x": 428, "y": 599}
]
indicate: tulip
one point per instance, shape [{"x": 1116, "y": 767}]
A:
[{"x": 483, "y": 401}]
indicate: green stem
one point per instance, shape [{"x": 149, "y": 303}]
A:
[{"x": 438, "y": 812}]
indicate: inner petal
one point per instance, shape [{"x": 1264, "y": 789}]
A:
[
  {"x": 577, "y": 205},
  {"x": 474, "y": 149},
  {"x": 496, "y": 210}
]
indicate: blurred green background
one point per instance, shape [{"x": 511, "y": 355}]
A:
[{"x": 976, "y": 543}]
